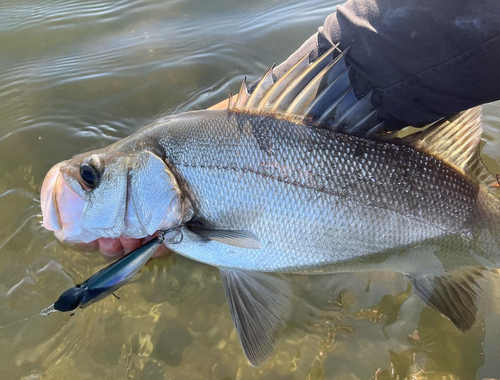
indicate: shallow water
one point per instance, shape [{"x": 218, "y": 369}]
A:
[{"x": 78, "y": 75}]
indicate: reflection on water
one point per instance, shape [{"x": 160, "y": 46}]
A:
[{"x": 78, "y": 75}]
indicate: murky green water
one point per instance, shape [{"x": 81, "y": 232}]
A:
[{"x": 78, "y": 75}]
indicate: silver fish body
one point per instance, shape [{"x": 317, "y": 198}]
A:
[{"x": 315, "y": 198}]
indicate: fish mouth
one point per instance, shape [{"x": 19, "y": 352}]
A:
[
  {"x": 61, "y": 207},
  {"x": 48, "y": 201}
]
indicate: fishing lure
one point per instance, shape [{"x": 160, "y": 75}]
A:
[{"x": 109, "y": 279}]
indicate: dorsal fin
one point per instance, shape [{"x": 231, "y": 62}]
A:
[
  {"x": 456, "y": 140},
  {"x": 270, "y": 97},
  {"x": 242, "y": 95},
  {"x": 320, "y": 91},
  {"x": 260, "y": 89}
]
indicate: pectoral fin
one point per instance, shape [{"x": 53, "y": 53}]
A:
[
  {"x": 260, "y": 305},
  {"x": 237, "y": 238},
  {"x": 455, "y": 294}
]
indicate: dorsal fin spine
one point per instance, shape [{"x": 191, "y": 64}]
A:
[
  {"x": 261, "y": 89},
  {"x": 286, "y": 98},
  {"x": 301, "y": 101},
  {"x": 356, "y": 112},
  {"x": 280, "y": 85},
  {"x": 314, "y": 87},
  {"x": 330, "y": 111},
  {"x": 366, "y": 123},
  {"x": 332, "y": 91},
  {"x": 310, "y": 90},
  {"x": 242, "y": 94}
]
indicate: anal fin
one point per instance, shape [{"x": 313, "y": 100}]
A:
[
  {"x": 454, "y": 294},
  {"x": 260, "y": 306}
]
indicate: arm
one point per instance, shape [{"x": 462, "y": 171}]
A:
[{"x": 423, "y": 59}]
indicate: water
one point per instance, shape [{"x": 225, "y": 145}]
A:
[{"x": 78, "y": 75}]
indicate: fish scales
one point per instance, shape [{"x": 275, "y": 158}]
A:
[{"x": 342, "y": 197}]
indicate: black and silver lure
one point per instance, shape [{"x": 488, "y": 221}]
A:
[{"x": 109, "y": 279}]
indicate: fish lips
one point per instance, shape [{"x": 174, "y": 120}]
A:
[{"x": 62, "y": 208}]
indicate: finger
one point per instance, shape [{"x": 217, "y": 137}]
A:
[
  {"x": 110, "y": 248},
  {"x": 93, "y": 246},
  {"x": 130, "y": 244},
  {"x": 162, "y": 252}
]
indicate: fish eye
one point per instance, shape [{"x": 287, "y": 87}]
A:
[{"x": 89, "y": 175}]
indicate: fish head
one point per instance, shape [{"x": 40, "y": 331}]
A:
[{"x": 110, "y": 193}]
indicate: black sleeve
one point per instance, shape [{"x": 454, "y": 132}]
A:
[{"x": 424, "y": 59}]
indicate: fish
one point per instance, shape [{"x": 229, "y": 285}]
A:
[
  {"x": 296, "y": 176},
  {"x": 107, "y": 280}
]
